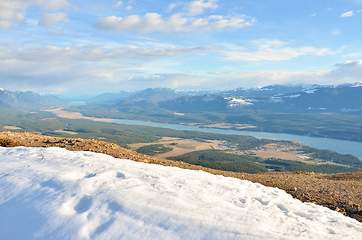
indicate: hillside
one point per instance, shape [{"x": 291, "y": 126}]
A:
[
  {"x": 340, "y": 192},
  {"x": 27, "y": 100},
  {"x": 53, "y": 193}
]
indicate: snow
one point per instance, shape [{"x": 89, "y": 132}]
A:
[
  {"x": 237, "y": 102},
  {"x": 251, "y": 100},
  {"x": 350, "y": 110},
  {"x": 357, "y": 84},
  {"x": 293, "y": 96},
  {"x": 275, "y": 99},
  {"x": 310, "y": 91},
  {"x": 53, "y": 193}
]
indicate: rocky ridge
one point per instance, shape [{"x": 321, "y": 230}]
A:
[{"x": 340, "y": 192}]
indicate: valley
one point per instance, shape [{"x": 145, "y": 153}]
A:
[{"x": 98, "y": 119}]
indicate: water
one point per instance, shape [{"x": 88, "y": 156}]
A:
[
  {"x": 341, "y": 146},
  {"x": 78, "y": 103}
]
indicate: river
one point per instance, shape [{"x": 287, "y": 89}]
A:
[{"x": 341, "y": 146}]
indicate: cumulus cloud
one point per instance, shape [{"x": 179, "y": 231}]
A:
[
  {"x": 198, "y": 7},
  {"x": 347, "y": 14},
  {"x": 274, "y": 50},
  {"x": 14, "y": 10},
  {"x": 50, "y": 19},
  {"x": 153, "y": 22},
  {"x": 349, "y": 71}
]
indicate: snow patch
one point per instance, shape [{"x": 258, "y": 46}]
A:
[
  {"x": 237, "y": 102},
  {"x": 276, "y": 99},
  {"x": 84, "y": 195},
  {"x": 251, "y": 100},
  {"x": 310, "y": 91},
  {"x": 293, "y": 96},
  {"x": 350, "y": 110},
  {"x": 357, "y": 84}
]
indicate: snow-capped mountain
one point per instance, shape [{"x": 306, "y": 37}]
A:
[
  {"x": 270, "y": 90},
  {"x": 346, "y": 98},
  {"x": 53, "y": 193}
]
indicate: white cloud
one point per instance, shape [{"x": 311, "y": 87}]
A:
[
  {"x": 314, "y": 14},
  {"x": 336, "y": 32},
  {"x": 347, "y": 14},
  {"x": 50, "y": 19},
  {"x": 171, "y": 6},
  {"x": 129, "y": 7},
  {"x": 344, "y": 72},
  {"x": 359, "y": 11},
  {"x": 14, "y": 10},
  {"x": 198, "y": 7},
  {"x": 153, "y": 22},
  {"x": 118, "y": 4},
  {"x": 11, "y": 11},
  {"x": 51, "y": 5},
  {"x": 353, "y": 55},
  {"x": 89, "y": 53},
  {"x": 274, "y": 50},
  {"x": 52, "y": 66},
  {"x": 347, "y": 72}
]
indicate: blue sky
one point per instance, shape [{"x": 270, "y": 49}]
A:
[{"x": 90, "y": 47}]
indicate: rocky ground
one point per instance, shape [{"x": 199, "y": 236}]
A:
[{"x": 341, "y": 192}]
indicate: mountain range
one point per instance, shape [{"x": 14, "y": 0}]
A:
[
  {"x": 345, "y": 98},
  {"x": 301, "y": 98}
]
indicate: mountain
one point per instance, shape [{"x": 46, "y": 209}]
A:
[
  {"x": 148, "y": 98},
  {"x": 110, "y": 97},
  {"x": 346, "y": 98},
  {"x": 337, "y": 99},
  {"x": 269, "y": 90},
  {"x": 156, "y": 94},
  {"x": 149, "y": 95},
  {"x": 52, "y": 193},
  {"x": 28, "y": 100},
  {"x": 208, "y": 102}
]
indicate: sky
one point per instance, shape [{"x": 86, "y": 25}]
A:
[
  {"x": 53, "y": 193},
  {"x": 74, "y": 47}
]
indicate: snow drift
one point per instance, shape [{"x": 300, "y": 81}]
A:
[{"x": 53, "y": 193}]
